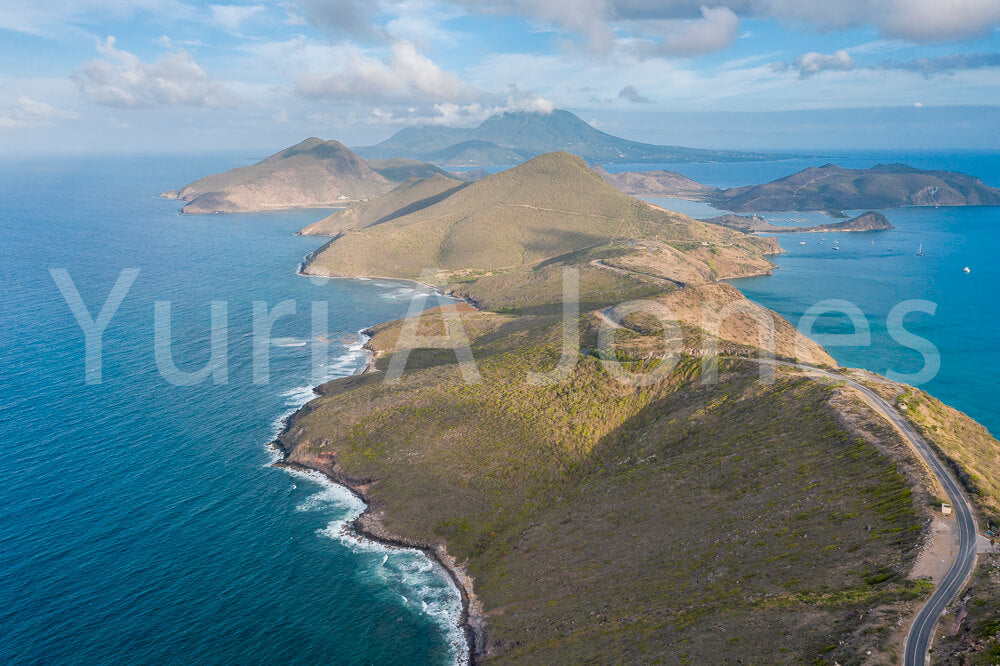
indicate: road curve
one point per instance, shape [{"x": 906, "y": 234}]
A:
[{"x": 921, "y": 631}]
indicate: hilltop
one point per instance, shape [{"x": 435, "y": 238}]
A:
[
  {"x": 550, "y": 207},
  {"x": 827, "y": 188},
  {"x": 409, "y": 197},
  {"x": 511, "y": 137},
  {"x": 312, "y": 173}
]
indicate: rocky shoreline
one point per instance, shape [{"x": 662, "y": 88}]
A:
[{"x": 369, "y": 525}]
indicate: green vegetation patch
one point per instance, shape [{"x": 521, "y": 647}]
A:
[{"x": 603, "y": 522}]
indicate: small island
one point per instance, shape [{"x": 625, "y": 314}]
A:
[{"x": 869, "y": 221}]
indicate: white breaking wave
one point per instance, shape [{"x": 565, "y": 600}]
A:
[
  {"x": 289, "y": 342},
  {"x": 348, "y": 363},
  {"x": 402, "y": 569},
  {"x": 410, "y": 573}
]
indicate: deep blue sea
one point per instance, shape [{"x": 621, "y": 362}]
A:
[{"x": 140, "y": 521}]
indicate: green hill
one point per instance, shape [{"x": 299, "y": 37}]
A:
[
  {"x": 684, "y": 522},
  {"x": 551, "y": 206},
  {"x": 700, "y": 516},
  {"x": 406, "y": 198},
  {"x": 516, "y": 135}
]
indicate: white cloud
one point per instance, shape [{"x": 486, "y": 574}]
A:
[
  {"x": 449, "y": 114},
  {"x": 231, "y": 17},
  {"x": 526, "y": 100},
  {"x": 938, "y": 20},
  {"x": 813, "y": 63},
  {"x": 717, "y": 29},
  {"x": 916, "y": 20},
  {"x": 122, "y": 80},
  {"x": 31, "y": 113},
  {"x": 292, "y": 14},
  {"x": 351, "y": 73}
]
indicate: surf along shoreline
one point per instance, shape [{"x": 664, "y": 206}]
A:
[{"x": 367, "y": 526}]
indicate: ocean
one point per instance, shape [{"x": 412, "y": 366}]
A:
[{"x": 141, "y": 520}]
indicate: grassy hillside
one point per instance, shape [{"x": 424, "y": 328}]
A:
[
  {"x": 683, "y": 522},
  {"x": 545, "y": 208},
  {"x": 973, "y": 452},
  {"x": 409, "y": 197},
  {"x": 698, "y": 518}
]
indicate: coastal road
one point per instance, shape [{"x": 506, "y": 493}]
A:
[{"x": 921, "y": 631}]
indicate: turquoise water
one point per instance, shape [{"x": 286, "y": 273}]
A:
[
  {"x": 877, "y": 271},
  {"x": 139, "y": 520}
]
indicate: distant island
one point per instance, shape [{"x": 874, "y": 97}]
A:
[
  {"x": 656, "y": 183},
  {"x": 828, "y": 188},
  {"x": 310, "y": 174},
  {"x": 509, "y": 138},
  {"x": 869, "y": 221},
  {"x": 585, "y": 519}
]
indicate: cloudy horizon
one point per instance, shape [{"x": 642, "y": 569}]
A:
[{"x": 758, "y": 74}]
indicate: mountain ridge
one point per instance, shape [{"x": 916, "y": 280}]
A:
[{"x": 529, "y": 134}]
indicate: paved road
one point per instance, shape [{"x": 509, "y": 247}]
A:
[
  {"x": 921, "y": 631},
  {"x": 919, "y": 637}
]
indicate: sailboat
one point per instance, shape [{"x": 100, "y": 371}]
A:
[{"x": 920, "y": 250}]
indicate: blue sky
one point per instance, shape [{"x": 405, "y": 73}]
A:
[{"x": 178, "y": 75}]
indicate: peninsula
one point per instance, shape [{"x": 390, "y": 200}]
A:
[
  {"x": 311, "y": 174},
  {"x": 694, "y": 514}
]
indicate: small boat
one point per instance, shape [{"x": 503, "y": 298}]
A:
[
  {"x": 966, "y": 270},
  {"x": 802, "y": 242}
]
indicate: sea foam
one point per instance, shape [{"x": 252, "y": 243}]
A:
[{"x": 418, "y": 580}]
